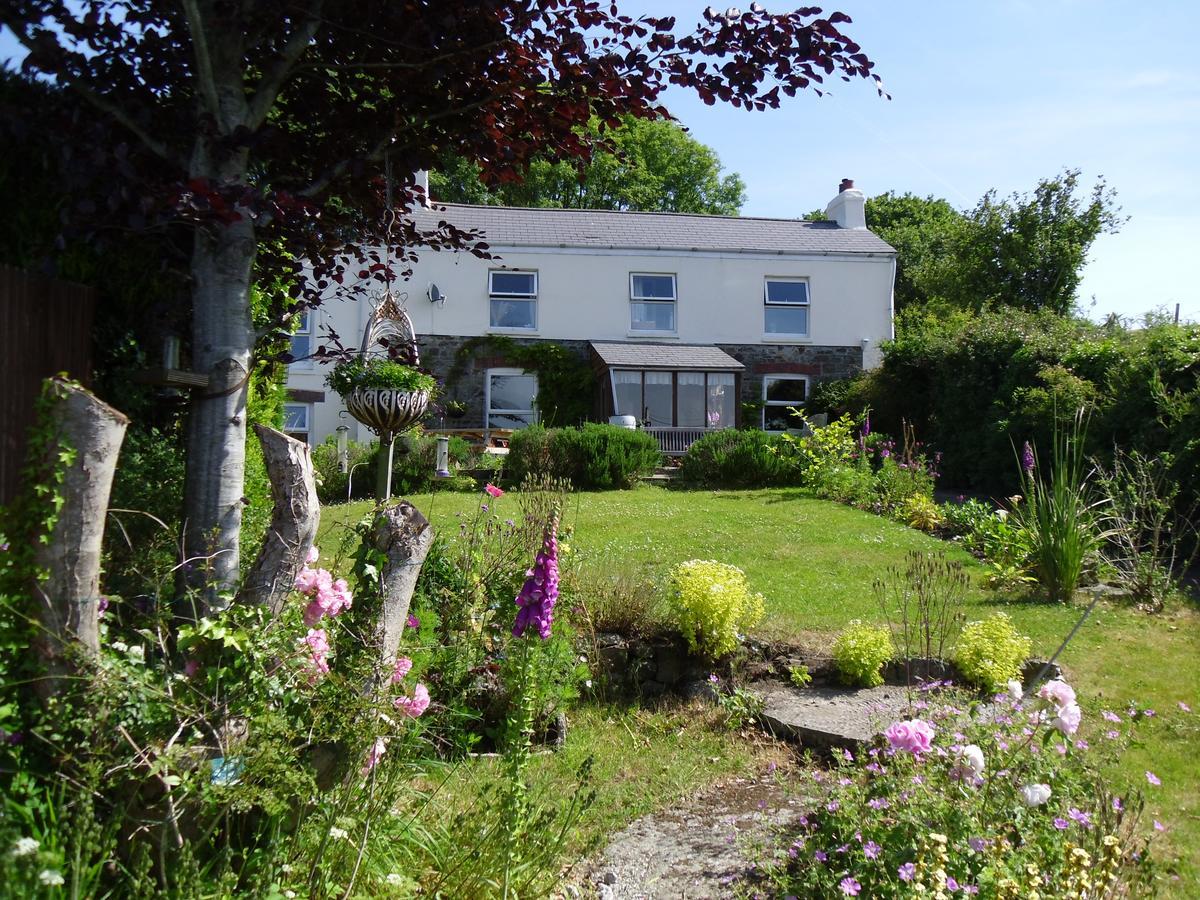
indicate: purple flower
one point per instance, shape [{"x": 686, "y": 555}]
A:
[
  {"x": 866, "y": 429},
  {"x": 820, "y": 856},
  {"x": 878, "y": 803},
  {"x": 1027, "y": 460},
  {"x": 833, "y": 806},
  {"x": 1061, "y": 824},
  {"x": 1110, "y": 716},
  {"x": 101, "y": 606},
  {"x": 907, "y": 871},
  {"x": 1117, "y": 804},
  {"x": 1184, "y": 706},
  {"x": 977, "y": 844},
  {"x": 951, "y": 883},
  {"x": 1081, "y": 817},
  {"x": 871, "y": 850},
  {"x": 850, "y": 887},
  {"x": 1153, "y": 779},
  {"x": 540, "y": 591},
  {"x": 413, "y": 621},
  {"x": 1158, "y": 826}
]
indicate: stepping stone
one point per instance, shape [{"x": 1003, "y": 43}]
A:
[{"x": 829, "y": 717}]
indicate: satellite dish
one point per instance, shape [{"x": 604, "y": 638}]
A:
[{"x": 435, "y": 295}]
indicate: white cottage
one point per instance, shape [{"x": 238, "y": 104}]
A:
[{"x": 691, "y": 321}]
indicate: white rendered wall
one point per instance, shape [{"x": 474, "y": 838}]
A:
[{"x": 584, "y": 295}]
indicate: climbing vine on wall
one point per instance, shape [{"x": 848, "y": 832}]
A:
[{"x": 566, "y": 383}]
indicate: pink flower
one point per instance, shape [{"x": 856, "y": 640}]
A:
[
  {"x": 1057, "y": 692},
  {"x": 191, "y": 667},
  {"x": 415, "y": 705},
  {"x": 1067, "y": 720},
  {"x": 850, "y": 887},
  {"x": 413, "y": 621},
  {"x": 378, "y": 748},
  {"x": 313, "y": 555},
  {"x": 403, "y": 664},
  {"x": 318, "y": 649},
  {"x": 915, "y": 736},
  {"x": 1110, "y": 716},
  {"x": 1153, "y": 779},
  {"x": 493, "y": 490},
  {"x": 1184, "y": 706},
  {"x": 306, "y": 581},
  {"x": 1158, "y": 826}
]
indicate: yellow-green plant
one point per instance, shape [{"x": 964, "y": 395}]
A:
[
  {"x": 921, "y": 512},
  {"x": 990, "y": 653},
  {"x": 711, "y": 603},
  {"x": 860, "y": 652},
  {"x": 824, "y": 450}
]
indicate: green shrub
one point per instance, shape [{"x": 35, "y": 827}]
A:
[
  {"x": 825, "y": 450},
  {"x": 860, "y": 651},
  {"x": 965, "y": 518},
  {"x": 990, "y": 653},
  {"x": 336, "y": 486},
  {"x": 711, "y": 603},
  {"x": 592, "y": 457},
  {"x": 739, "y": 458},
  {"x": 921, "y": 513},
  {"x": 414, "y": 462}
]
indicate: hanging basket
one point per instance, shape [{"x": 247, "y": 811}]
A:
[{"x": 386, "y": 410}]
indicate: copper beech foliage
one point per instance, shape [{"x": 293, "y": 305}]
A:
[{"x": 201, "y": 113}]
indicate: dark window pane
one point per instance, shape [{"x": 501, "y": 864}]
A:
[
  {"x": 652, "y": 316},
  {"x": 513, "y": 392},
  {"x": 690, "y": 396},
  {"x": 785, "y": 389},
  {"x": 654, "y": 287},
  {"x": 513, "y": 313},
  {"x": 780, "y": 418},
  {"x": 659, "y": 407},
  {"x": 514, "y": 284},
  {"x": 787, "y": 292}
]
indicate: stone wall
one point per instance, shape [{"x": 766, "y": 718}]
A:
[
  {"x": 820, "y": 363},
  {"x": 438, "y": 353}
]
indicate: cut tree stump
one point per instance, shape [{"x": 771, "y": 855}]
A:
[
  {"x": 294, "y": 521},
  {"x": 404, "y": 536},
  {"x": 68, "y": 598}
]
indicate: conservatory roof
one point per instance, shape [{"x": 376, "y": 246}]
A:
[{"x": 695, "y": 357}]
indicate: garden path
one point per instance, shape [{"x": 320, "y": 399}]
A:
[{"x": 698, "y": 849}]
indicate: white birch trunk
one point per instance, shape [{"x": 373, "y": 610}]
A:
[
  {"x": 405, "y": 536},
  {"x": 69, "y": 596}
]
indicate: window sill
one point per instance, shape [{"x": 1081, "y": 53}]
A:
[
  {"x": 528, "y": 332},
  {"x": 659, "y": 335},
  {"x": 786, "y": 339}
]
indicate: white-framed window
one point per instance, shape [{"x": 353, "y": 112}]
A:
[
  {"x": 785, "y": 307},
  {"x": 782, "y": 393},
  {"x": 652, "y": 302},
  {"x": 296, "y": 418},
  {"x": 511, "y": 398},
  {"x": 302, "y": 340},
  {"x": 512, "y": 296}
]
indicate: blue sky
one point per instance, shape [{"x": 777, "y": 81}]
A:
[
  {"x": 999, "y": 94},
  {"x": 994, "y": 94}
]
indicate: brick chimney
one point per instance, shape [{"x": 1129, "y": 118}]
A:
[{"x": 849, "y": 207}]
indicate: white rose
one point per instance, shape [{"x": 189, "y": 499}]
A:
[
  {"x": 1015, "y": 689},
  {"x": 1035, "y": 794},
  {"x": 972, "y": 757}
]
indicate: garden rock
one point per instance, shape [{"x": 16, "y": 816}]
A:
[{"x": 829, "y": 717}]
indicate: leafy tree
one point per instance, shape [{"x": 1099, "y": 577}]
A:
[
  {"x": 920, "y": 228},
  {"x": 1025, "y": 251},
  {"x": 260, "y": 130},
  {"x": 654, "y": 165}
]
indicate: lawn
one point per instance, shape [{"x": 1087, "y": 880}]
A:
[{"x": 815, "y": 562}]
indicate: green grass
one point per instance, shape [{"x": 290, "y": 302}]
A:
[{"x": 815, "y": 562}]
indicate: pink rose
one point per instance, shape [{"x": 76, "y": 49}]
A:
[
  {"x": 378, "y": 748},
  {"x": 416, "y": 704},
  {"x": 313, "y": 555},
  {"x": 317, "y": 642},
  {"x": 493, "y": 490},
  {"x": 403, "y": 665},
  {"x": 306, "y": 581},
  {"x": 1067, "y": 720},
  {"x": 915, "y": 736},
  {"x": 1057, "y": 692}
]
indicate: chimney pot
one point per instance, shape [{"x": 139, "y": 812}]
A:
[
  {"x": 849, "y": 207},
  {"x": 847, "y": 184}
]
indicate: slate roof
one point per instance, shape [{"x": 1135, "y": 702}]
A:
[
  {"x": 665, "y": 356},
  {"x": 506, "y": 226}
]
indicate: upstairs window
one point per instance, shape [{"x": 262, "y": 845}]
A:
[
  {"x": 513, "y": 299},
  {"x": 651, "y": 302},
  {"x": 782, "y": 393},
  {"x": 302, "y": 340},
  {"x": 786, "y": 307}
]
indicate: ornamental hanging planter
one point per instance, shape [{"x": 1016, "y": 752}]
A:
[{"x": 383, "y": 388}]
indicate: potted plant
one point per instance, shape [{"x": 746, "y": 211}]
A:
[
  {"x": 385, "y": 395},
  {"x": 455, "y": 409}
]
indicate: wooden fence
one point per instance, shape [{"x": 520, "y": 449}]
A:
[{"x": 45, "y": 328}]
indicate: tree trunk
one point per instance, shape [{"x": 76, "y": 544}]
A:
[
  {"x": 405, "y": 536},
  {"x": 69, "y": 596},
  {"x": 222, "y": 345},
  {"x": 294, "y": 521}
]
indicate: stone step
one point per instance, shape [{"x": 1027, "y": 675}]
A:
[{"x": 830, "y": 717}]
